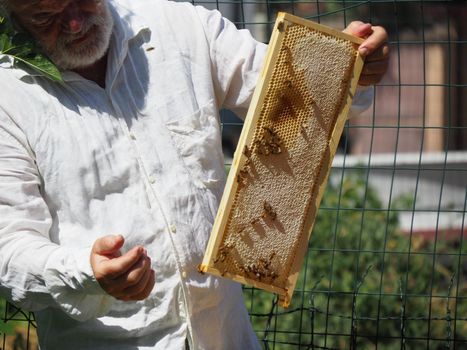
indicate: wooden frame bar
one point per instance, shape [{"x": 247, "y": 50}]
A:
[{"x": 216, "y": 255}]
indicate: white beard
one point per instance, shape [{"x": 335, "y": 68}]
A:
[{"x": 98, "y": 29}]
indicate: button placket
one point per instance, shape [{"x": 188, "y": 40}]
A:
[{"x": 152, "y": 179}]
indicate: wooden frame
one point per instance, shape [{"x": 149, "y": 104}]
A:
[{"x": 214, "y": 247}]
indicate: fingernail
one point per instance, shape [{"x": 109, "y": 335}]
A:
[{"x": 363, "y": 51}]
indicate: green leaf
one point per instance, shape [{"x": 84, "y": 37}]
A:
[
  {"x": 6, "y": 328},
  {"x": 23, "y": 49},
  {"x": 2, "y": 23},
  {"x": 5, "y": 26},
  {"x": 42, "y": 65},
  {"x": 5, "y": 43}
]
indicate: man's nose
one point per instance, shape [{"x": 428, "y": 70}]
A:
[{"x": 73, "y": 19}]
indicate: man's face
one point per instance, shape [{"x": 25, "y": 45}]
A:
[{"x": 73, "y": 33}]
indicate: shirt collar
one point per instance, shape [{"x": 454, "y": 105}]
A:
[{"x": 127, "y": 26}]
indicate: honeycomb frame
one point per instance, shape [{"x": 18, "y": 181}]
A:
[{"x": 284, "y": 155}]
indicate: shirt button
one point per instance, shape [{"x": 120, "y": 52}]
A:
[
  {"x": 132, "y": 136},
  {"x": 184, "y": 274},
  {"x": 173, "y": 228},
  {"x": 152, "y": 180}
]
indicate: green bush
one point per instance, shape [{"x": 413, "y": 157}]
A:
[
  {"x": 364, "y": 282},
  {"x": 5, "y": 327}
]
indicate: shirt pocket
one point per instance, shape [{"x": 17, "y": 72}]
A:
[{"x": 197, "y": 139}]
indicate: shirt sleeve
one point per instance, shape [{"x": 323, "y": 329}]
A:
[
  {"x": 36, "y": 273},
  {"x": 237, "y": 60}
]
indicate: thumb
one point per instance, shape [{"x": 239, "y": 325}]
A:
[{"x": 108, "y": 245}]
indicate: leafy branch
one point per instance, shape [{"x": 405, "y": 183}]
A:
[{"x": 24, "y": 52}]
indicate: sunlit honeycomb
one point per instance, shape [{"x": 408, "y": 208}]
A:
[{"x": 277, "y": 183}]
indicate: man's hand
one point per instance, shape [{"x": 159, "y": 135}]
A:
[
  {"x": 374, "y": 49},
  {"x": 125, "y": 277}
]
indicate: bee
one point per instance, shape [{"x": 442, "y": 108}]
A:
[
  {"x": 244, "y": 173},
  {"x": 254, "y": 221},
  {"x": 223, "y": 252},
  {"x": 271, "y": 130},
  {"x": 246, "y": 151},
  {"x": 275, "y": 148},
  {"x": 281, "y": 26},
  {"x": 270, "y": 142},
  {"x": 261, "y": 147},
  {"x": 288, "y": 83},
  {"x": 268, "y": 211},
  {"x": 273, "y": 254}
]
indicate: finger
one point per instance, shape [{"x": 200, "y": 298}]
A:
[
  {"x": 138, "y": 288},
  {"x": 112, "y": 269},
  {"x": 357, "y": 28},
  {"x": 108, "y": 245},
  {"x": 377, "y": 39},
  {"x": 134, "y": 274},
  {"x": 377, "y": 67},
  {"x": 380, "y": 54},
  {"x": 147, "y": 289},
  {"x": 132, "y": 277},
  {"x": 372, "y": 79}
]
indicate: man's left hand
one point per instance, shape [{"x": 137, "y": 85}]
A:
[{"x": 374, "y": 49}]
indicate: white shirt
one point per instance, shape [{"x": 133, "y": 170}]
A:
[{"x": 141, "y": 158}]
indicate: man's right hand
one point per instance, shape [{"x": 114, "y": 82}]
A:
[{"x": 125, "y": 277}]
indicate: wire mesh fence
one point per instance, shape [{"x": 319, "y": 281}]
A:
[
  {"x": 386, "y": 262},
  {"x": 386, "y": 266}
]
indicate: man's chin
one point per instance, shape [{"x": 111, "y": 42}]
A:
[
  {"x": 81, "y": 54},
  {"x": 66, "y": 59},
  {"x": 75, "y": 62}
]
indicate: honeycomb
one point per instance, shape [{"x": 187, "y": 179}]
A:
[{"x": 281, "y": 161}]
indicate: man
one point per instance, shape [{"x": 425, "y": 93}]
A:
[{"x": 110, "y": 181}]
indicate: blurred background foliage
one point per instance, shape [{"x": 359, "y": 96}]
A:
[{"x": 384, "y": 285}]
